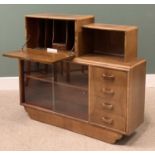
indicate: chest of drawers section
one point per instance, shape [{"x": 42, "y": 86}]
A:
[{"x": 116, "y": 97}]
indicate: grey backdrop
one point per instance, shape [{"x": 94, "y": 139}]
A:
[{"x": 12, "y": 27}]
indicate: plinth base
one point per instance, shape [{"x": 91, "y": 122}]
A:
[{"x": 75, "y": 125}]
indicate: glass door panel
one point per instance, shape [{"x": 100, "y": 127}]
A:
[
  {"x": 38, "y": 80},
  {"x": 71, "y": 89}
]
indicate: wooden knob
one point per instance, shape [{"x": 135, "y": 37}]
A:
[
  {"x": 108, "y": 91},
  {"x": 108, "y": 76},
  {"x": 107, "y": 120},
  {"x": 107, "y": 105}
]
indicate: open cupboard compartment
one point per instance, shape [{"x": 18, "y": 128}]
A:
[
  {"x": 55, "y": 86},
  {"x": 50, "y": 33},
  {"x": 110, "y": 40}
]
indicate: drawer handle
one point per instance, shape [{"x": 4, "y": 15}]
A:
[
  {"x": 108, "y": 91},
  {"x": 107, "y": 120},
  {"x": 108, "y": 76},
  {"x": 107, "y": 106}
]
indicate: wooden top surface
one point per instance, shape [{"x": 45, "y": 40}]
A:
[
  {"x": 59, "y": 16},
  {"x": 39, "y": 55},
  {"x": 110, "y": 27},
  {"x": 90, "y": 59},
  {"x": 107, "y": 61}
]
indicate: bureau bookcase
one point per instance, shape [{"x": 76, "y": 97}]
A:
[{"x": 93, "y": 83}]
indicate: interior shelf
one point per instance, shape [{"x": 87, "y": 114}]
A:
[
  {"x": 48, "y": 77},
  {"x": 98, "y": 59},
  {"x": 44, "y": 77}
]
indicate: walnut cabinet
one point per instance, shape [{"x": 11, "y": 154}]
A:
[{"x": 93, "y": 85}]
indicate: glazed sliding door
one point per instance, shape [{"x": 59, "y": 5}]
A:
[
  {"x": 38, "y": 84},
  {"x": 61, "y": 87},
  {"x": 71, "y": 90}
]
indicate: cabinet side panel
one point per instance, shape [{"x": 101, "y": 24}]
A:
[
  {"x": 136, "y": 97},
  {"x": 79, "y": 44},
  {"x": 131, "y": 45}
]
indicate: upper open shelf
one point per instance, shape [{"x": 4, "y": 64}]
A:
[{"x": 107, "y": 39}]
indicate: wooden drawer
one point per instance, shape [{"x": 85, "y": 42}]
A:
[
  {"x": 103, "y": 118},
  {"x": 110, "y": 106}
]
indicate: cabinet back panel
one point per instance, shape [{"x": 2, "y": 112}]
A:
[
  {"x": 71, "y": 35},
  {"x": 88, "y": 38},
  {"x": 36, "y": 32},
  {"x": 59, "y": 31},
  {"x": 41, "y": 33},
  {"x": 48, "y": 33},
  {"x": 64, "y": 33},
  {"x": 109, "y": 42},
  {"x": 32, "y": 28}
]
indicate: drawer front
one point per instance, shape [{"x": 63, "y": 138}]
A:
[
  {"x": 102, "y": 118},
  {"x": 108, "y": 95},
  {"x": 109, "y": 106}
]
